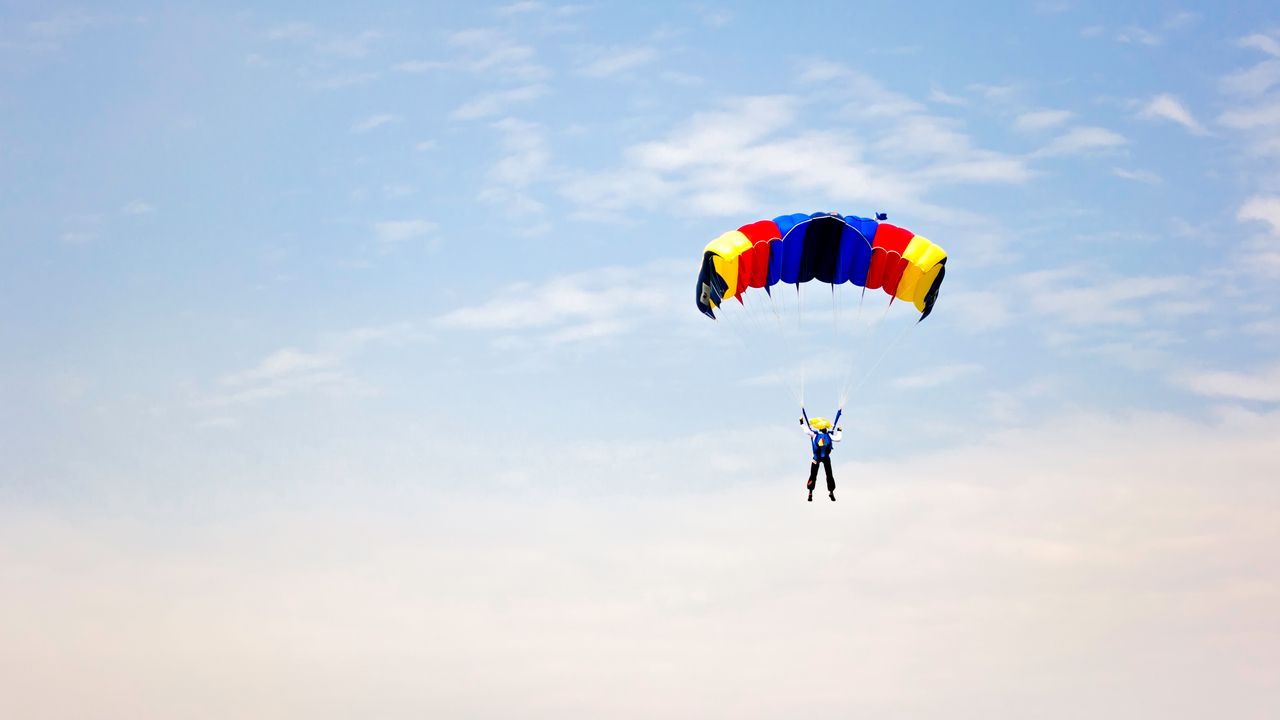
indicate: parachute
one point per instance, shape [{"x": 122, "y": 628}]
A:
[
  {"x": 826, "y": 247},
  {"x": 843, "y": 252}
]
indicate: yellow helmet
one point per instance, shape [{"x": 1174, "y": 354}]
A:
[{"x": 819, "y": 423}]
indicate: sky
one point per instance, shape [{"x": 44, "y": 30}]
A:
[{"x": 351, "y": 368}]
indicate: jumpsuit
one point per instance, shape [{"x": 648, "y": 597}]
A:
[{"x": 821, "y": 454}]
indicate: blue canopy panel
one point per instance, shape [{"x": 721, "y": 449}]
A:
[
  {"x": 793, "y": 229},
  {"x": 855, "y": 250}
]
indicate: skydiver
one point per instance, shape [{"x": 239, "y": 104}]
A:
[{"x": 821, "y": 440}]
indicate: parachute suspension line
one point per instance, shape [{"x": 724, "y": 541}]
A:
[
  {"x": 753, "y": 317},
  {"x": 883, "y": 354},
  {"x": 871, "y": 333},
  {"x": 783, "y": 359},
  {"x": 802, "y": 386},
  {"x": 774, "y": 358},
  {"x": 835, "y": 313}
]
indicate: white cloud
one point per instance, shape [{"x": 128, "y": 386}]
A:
[
  {"x": 282, "y": 373},
  {"x": 1172, "y": 23},
  {"x": 1264, "y": 43},
  {"x": 575, "y": 307},
  {"x": 1256, "y": 117},
  {"x": 374, "y": 122},
  {"x": 994, "y": 93},
  {"x": 977, "y": 311},
  {"x": 138, "y": 207},
  {"x": 418, "y": 67},
  {"x": 722, "y": 162},
  {"x": 1041, "y": 120},
  {"x": 1254, "y": 81},
  {"x": 277, "y": 365},
  {"x": 397, "y": 231},
  {"x": 941, "y": 97},
  {"x": 525, "y": 161},
  {"x": 1082, "y": 140},
  {"x": 1262, "y": 253},
  {"x": 1129, "y": 553},
  {"x": 495, "y": 103},
  {"x": 1264, "y": 209},
  {"x": 345, "y": 45},
  {"x": 491, "y": 52},
  {"x": 935, "y": 377},
  {"x": 1077, "y": 297},
  {"x": 1168, "y": 107},
  {"x": 292, "y": 372},
  {"x": 866, "y": 96},
  {"x": 62, "y": 26},
  {"x": 1138, "y": 36},
  {"x": 714, "y": 17},
  {"x": 1262, "y": 385},
  {"x": 1142, "y": 176},
  {"x": 350, "y": 46},
  {"x": 1053, "y": 7},
  {"x": 618, "y": 60},
  {"x": 79, "y": 237},
  {"x": 521, "y": 8}
]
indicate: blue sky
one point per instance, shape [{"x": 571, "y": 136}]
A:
[{"x": 345, "y": 336}]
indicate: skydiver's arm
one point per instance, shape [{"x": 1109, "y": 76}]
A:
[{"x": 836, "y": 435}]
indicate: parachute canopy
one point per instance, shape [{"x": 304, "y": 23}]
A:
[{"x": 827, "y": 247}]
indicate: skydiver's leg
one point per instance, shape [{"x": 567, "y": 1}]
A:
[
  {"x": 831, "y": 480},
  {"x": 813, "y": 477}
]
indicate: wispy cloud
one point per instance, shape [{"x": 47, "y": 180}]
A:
[
  {"x": 577, "y": 307},
  {"x": 1082, "y": 140},
  {"x": 1142, "y": 176},
  {"x": 496, "y": 103},
  {"x": 1041, "y": 120},
  {"x": 1075, "y": 297},
  {"x": 492, "y": 52},
  {"x": 290, "y": 372},
  {"x": 398, "y": 231},
  {"x": 521, "y": 8},
  {"x": 1253, "y": 81},
  {"x": 1168, "y": 107},
  {"x": 1057, "y": 544},
  {"x": 327, "y": 42},
  {"x": 285, "y": 372},
  {"x": 1053, "y": 7},
  {"x": 525, "y": 160},
  {"x": 938, "y": 376},
  {"x": 937, "y": 95},
  {"x": 1262, "y": 253},
  {"x": 1252, "y": 118},
  {"x": 608, "y": 62},
  {"x": 373, "y": 122},
  {"x": 418, "y": 67},
  {"x": 1261, "y": 42},
  {"x": 138, "y": 207},
  {"x": 1262, "y": 208},
  {"x": 721, "y": 161},
  {"x": 979, "y": 310},
  {"x": 1154, "y": 36},
  {"x": 1262, "y": 385}
]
